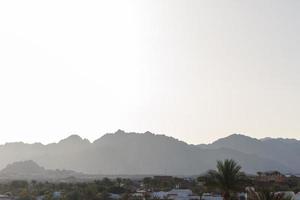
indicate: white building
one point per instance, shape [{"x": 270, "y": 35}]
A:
[
  {"x": 5, "y": 197},
  {"x": 176, "y": 194},
  {"x": 114, "y": 196},
  {"x": 209, "y": 196},
  {"x": 160, "y": 194}
]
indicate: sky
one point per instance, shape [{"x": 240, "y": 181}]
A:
[{"x": 192, "y": 69}]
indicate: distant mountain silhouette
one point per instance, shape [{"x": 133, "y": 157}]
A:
[
  {"x": 284, "y": 151},
  {"x": 147, "y": 153},
  {"x": 30, "y": 170}
]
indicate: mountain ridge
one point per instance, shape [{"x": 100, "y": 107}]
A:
[
  {"x": 30, "y": 170},
  {"x": 120, "y": 131},
  {"x": 148, "y": 153}
]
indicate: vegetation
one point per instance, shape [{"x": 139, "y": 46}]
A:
[
  {"x": 227, "y": 179},
  {"x": 267, "y": 195},
  {"x": 96, "y": 190}
]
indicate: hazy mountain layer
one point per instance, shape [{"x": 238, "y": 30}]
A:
[
  {"x": 284, "y": 151},
  {"x": 23, "y": 170},
  {"x": 133, "y": 153}
]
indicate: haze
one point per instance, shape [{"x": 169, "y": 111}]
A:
[{"x": 194, "y": 70}]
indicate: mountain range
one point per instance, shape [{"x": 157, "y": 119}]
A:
[
  {"x": 30, "y": 170},
  {"x": 146, "y": 153}
]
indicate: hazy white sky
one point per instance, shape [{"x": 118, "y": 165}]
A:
[{"x": 195, "y": 70}]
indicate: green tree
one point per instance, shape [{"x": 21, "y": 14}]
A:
[
  {"x": 119, "y": 181},
  {"x": 267, "y": 195},
  {"x": 227, "y": 177}
]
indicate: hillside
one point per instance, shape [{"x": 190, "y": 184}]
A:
[
  {"x": 147, "y": 153},
  {"x": 284, "y": 151},
  {"x": 30, "y": 170}
]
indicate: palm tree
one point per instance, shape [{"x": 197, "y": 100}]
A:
[
  {"x": 227, "y": 177},
  {"x": 267, "y": 195},
  {"x": 119, "y": 181}
]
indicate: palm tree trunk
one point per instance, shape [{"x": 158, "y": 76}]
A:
[{"x": 226, "y": 195}]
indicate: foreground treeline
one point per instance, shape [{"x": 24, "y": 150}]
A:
[
  {"x": 229, "y": 180},
  {"x": 96, "y": 190},
  {"x": 226, "y": 180}
]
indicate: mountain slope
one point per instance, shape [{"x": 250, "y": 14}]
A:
[
  {"x": 284, "y": 151},
  {"x": 30, "y": 170},
  {"x": 134, "y": 153}
]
